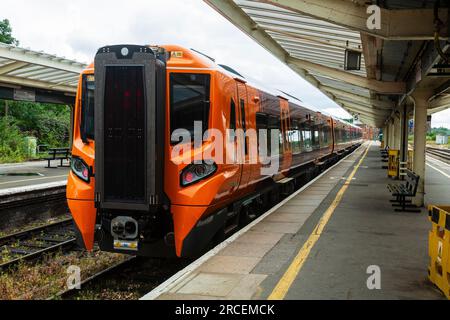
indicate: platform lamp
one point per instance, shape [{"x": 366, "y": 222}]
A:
[{"x": 352, "y": 60}]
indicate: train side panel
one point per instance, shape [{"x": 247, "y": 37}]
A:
[
  {"x": 199, "y": 210},
  {"x": 80, "y": 194}
]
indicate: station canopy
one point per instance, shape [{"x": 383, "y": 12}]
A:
[
  {"x": 37, "y": 76},
  {"x": 367, "y": 72}
]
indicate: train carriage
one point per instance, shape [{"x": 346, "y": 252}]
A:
[{"x": 141, "y": 183}]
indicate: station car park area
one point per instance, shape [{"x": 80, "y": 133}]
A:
[{"x": 271, "y": 156}]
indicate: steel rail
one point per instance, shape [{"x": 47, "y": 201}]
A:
[
  {"x": 23, "y": 245},
  {"x": 443, "y": 154},
  {"x": 69, "y": 291}
]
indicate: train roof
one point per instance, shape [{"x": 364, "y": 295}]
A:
[{"x": 183, "y": 58}]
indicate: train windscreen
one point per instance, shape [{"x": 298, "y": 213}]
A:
[
  {"x": 124, "y": 134},
  {"x": 189, "y": 101},
  {"x": 87, "y": 108}
]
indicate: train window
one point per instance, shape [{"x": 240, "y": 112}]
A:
[
  {"x": 189, "y": 101},
  {"x": 274, "y": 123},
  {"x": 294, "y": 137},
  {"x": 337, "y": 135},
  {"x": 261, "y": 124},
  {"x": 307, "y": 138},
  {"x": 325, "y": 135},
  {"x": 261, "y": 120},
  {"x": 232, "y": 115},
  {"x": 315, "y": 142},
  {"x": 87, "y": 107}
]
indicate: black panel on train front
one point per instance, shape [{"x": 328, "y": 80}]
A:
[{"x": 124, "y": 134}]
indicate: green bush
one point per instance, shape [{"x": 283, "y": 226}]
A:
[
  {"x": 12, "y": 143},
  {"x": 431, "y": 136},
  {"x": 49, "y": 123}
]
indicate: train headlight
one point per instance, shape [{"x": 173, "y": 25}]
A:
[
  {"x": 80, "y": 168},
  {"x": 196, "y": 172}
]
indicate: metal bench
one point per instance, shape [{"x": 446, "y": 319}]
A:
[
  {"x": 58, "y": 154},
  {"x": 403, "y": 191},
  {"x": 385, "y": 154}
]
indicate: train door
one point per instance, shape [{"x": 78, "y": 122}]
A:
[
  {"x": 285, "y": 148},
  {"x": 253, "y": 106},
  {"x": 333, "y": 130},
  {"x": 235, "y": 165},
  {"x": 243, "y": 146},
  {"x": 330, "y": 135}
]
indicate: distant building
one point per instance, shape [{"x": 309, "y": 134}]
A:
[{"x": 441, "y": 139}]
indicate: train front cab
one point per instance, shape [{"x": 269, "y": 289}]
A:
[
  {"x": 108, "y": 198},
  {"x": 115, "y": 188},
  {"x": 80, "y": 184},
  {"x": 196, "y": 188}
]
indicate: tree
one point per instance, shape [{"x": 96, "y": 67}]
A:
[{"x": 6, "y": 33}]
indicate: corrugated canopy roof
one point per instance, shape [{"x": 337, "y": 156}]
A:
[
  {"x": 315, "y": 49},
  {"x": 33, "y": 69},
  {"x": 304, "y": 37}
]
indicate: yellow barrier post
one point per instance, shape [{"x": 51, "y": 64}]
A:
[
  {"x": 393, "y": 163},
  {"x": 410, "y": 159},
  {"x": 439, "y": 248}
]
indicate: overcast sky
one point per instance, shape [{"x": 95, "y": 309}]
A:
[{"x": 75, "y": 29}]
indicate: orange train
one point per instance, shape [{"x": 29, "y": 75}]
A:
[{"x": 125, "y": 189}]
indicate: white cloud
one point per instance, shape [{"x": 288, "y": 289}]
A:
[
  {"x": 441, "y": 119},
  {"x": 338, "y": 112},
  {"x": 75, "y": 29}
]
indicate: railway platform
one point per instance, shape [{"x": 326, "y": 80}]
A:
[
  {"x": 326, "y": 241},
  {"x": 29, "y": 190},
  {"x": 19, "y": 177}
]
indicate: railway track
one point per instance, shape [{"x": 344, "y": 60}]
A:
[
  {"x": 443, "y": 154},
  {"x": 129, "y": 279},
  {"x": 126, "y": 280},
  {"x": 21, "y": 199},
  {"x": 34, "y": 242},
  {"x": 72, "y": 292}
]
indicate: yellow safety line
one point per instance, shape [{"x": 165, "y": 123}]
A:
[{"x": 282, "y": 287}]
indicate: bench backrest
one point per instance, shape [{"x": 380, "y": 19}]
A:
[
  {"x": 59, "y": 151},
  {"x": 412, "y": 181}
]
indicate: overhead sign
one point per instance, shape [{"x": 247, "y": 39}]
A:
[{"x": 25, "y": 95}]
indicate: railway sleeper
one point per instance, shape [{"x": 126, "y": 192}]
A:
[
  {"x": 54, "y": 240},
  {"x": 20, "y": 251},
  {"x": 34, "y": 245}
]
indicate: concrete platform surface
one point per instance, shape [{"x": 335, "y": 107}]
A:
[
  {"x": 437, "y": 182},
  {"x": 18, "y": 175},
  {"x": 362, "y": 231}
]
